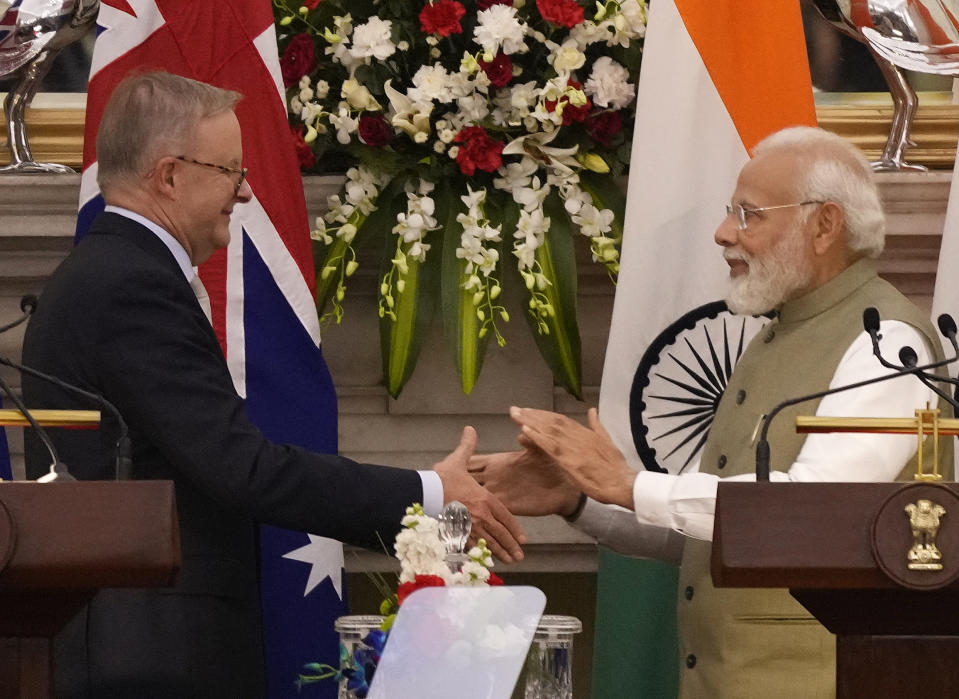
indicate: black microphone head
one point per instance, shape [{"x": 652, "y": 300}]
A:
[
  {"x": 947, "y": 326},
  {"x": 908, "y": 356},
  {"x": 28, "y": 304},
  {"x": 870, "y": 320}
]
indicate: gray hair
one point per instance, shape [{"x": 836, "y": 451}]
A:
[
  {"x": 832, "y": 169},
  {"x": 150, "y": 115}
]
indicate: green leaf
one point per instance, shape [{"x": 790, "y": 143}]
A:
[
  {"x": 400, "y": 339},
  {"x": 560, "y": 346},
  {"x": 460, "y": 323}
]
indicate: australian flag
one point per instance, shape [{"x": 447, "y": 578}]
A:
[{"x": 261, "y": 286}]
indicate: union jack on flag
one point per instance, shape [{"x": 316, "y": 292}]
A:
[{"x": 261, "y": 286}]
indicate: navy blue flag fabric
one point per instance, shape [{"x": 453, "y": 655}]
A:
[{"x": 260, "y": 287}]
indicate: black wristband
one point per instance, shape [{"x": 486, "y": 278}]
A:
[{"x": 574, "y": 515}]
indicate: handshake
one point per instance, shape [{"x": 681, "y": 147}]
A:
[{"x": 560, "y": 462}]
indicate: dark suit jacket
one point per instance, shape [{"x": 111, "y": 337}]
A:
[{"x": 119, "y": 318}]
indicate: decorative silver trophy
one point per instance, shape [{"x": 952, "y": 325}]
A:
[
  {"x": 32, "y": 32},
  {"x": 918, "y": 35}
]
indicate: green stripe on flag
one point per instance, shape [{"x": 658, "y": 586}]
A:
[{"x": 636, "y": 650}]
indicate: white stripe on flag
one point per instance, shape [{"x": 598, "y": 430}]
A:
[
  {"x": 266, "y": 46},
  {"x": 125, "y": 32},
  {"x": 685, "y": 159},
  {"x": 89, "y": 189},
  {"x": 277, "y": 257}
]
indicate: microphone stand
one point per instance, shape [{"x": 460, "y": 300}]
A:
[{"x": 871, "y": 326}]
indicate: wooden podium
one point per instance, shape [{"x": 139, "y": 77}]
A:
[
  {"x": 59, "y": 543},
  {"x": 841, "y": 549}
]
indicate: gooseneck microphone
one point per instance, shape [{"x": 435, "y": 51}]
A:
[
  {"x": 124, "y": 462},
  {"x": 907, "y": 356},
  {"x": 58, "y": 470},
  {"x": 28, "y": 304}
]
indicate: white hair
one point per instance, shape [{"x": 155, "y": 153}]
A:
[{"x": 832, "y": 169}]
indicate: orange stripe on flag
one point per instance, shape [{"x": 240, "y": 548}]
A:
[{"x": 755, "y": 55}]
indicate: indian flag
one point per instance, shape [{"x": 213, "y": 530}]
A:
[{"x": 717, "y": 77}]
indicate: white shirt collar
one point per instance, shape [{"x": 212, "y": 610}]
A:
[{"x": 179, "y": 254}]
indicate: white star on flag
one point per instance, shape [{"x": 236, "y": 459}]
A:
[{"x": 326, "y": 558}]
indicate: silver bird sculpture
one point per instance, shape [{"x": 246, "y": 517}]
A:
[
  {"x": 32, "y": 32},
  {"x": 917, "y": 35}
]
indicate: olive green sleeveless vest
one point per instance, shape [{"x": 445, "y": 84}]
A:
[{"x": 761, "y": 643}]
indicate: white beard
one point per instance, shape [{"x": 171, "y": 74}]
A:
[{"x": 772, "y": 279}]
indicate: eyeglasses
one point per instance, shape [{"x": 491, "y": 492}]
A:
[
  {"x": 222, "y": 168},
  {"x": 740, "y": 211}
]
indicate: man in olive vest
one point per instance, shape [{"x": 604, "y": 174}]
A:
[{"x": 800, "y": 235}]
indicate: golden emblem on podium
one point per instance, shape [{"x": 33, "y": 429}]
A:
[{"x": 924, "y": 516}]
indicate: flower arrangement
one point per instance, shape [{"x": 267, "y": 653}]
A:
[
  {"x": 479, "y": 137},
  {"x": 422, "y": 554}
]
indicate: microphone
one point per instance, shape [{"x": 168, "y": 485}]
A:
[
  {"x": 947, "y": 326},
  {"x": 58, "y": 469},
  {"x": 28, "y": 304},
  {"x": 907, "y": 355},
  {"x": 124, "y": 462}
]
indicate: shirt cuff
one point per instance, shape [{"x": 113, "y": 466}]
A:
[
  {"x": 432, "y": 492},
  {"x": 651, "y": 498}
]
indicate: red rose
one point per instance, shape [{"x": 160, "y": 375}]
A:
[
  {"x": 304, "y": 154},
  {"x": 499, "y": 70},
  {"x": 298, "y": 59},
  {"x": 486, "y": 4},
  {"x": 478, "y": 151},
  {"x": 442, "y": 17},
  {"x": 374, "y": 131},
  {"x": 571, "y": 113},
  {"x": 494, "y": 579},
  {"x": 603, "y": 126},
  {"x": 310, "y": 4},
  {"x": 565, "y": 13},
  {"x": 408, "y": 588}
]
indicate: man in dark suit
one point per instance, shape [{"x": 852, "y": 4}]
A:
[{"x": 120, "y": 318}]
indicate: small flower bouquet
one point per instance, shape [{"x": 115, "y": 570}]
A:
[
  {"x": 423, "y": 556},
  {"x": 480, "y": 137}
]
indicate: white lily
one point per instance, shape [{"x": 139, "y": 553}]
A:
[
  {"x": 559, "y": 160},
  {"x": 410, "y": 117}
]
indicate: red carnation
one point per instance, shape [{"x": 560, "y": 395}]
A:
[
  {"x": 408, "y": 588},
  {"x": 442, "y": 17},
  {"x": 565, "y": 13},
  {"x": 304, "y": 154},
  {"x": 310, "y": 4},
  {"x": 494, "y": 579},
  {"x": 603, "y": 126},
  {"x": 478, "y": 151},
  {"x": 374, "y": 131},
  {"x": 486, "y": 4},
  {"x": 298, "y": 59},
  {"x": 499, "y": 70},
  {"x": 571, "y": 112}
]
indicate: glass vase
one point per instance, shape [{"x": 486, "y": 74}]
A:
[
  {"x": 352, "y": 630},
  {"x": 549, "y": 664}
]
